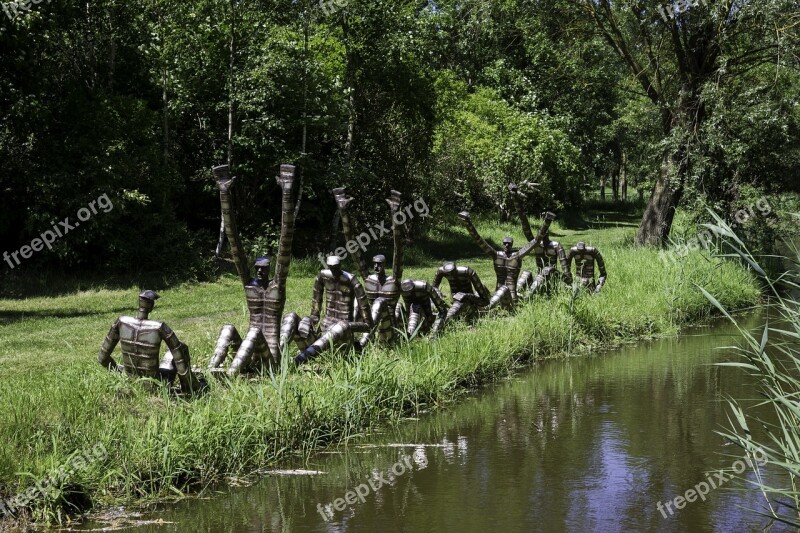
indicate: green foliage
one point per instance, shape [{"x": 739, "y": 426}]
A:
[{"x": 485, "y": 143}]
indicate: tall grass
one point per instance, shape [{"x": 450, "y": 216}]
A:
[
  {"x": 56, "y": 399},
  {"x": 772, "y": 357}
]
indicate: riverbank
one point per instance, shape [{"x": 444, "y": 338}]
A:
[{"x": 57, "y": 402}]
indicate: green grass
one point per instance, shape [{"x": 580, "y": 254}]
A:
[{"x": 58, "y": 401}]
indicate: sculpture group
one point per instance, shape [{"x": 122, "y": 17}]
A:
[{"x": 383, "y": 309}]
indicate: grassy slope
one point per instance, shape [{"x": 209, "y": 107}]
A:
[{"x": 57, "y": 401}]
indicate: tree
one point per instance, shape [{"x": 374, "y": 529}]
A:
[{"x": 675, "y": 57}]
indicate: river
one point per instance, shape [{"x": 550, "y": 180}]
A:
[{"x": 585, "y": 444}]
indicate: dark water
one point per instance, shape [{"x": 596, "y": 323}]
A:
[{"x": 588, "y": 444}]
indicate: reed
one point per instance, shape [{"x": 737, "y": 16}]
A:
[{"x": 771, "y": 426}]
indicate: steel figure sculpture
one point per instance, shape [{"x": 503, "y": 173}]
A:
[
  {"x": 140, "y": 340},
  {"x": 468, "y": 292},
  {"x": 342, "y": 292},
  {"x": 267, "y": 335},
  {"x": 585, "y": 258},
  {"x": 382, "y": 290},
  {"x": 507, "y": 263},
  {"x": 420, "y": 298},
  {"x": 546, "y": 253}
]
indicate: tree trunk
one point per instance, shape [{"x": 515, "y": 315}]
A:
[
  {"x": 623, "y": 177},
  {"x": 660, "y": 212}
]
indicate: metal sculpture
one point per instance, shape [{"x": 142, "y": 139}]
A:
[
  {"x": 140, "y": 340},
  {"x": 547, "y": 253},
  {"x": 420, "y": 298},
  {"x": 267, "y": 335},
  {"x": 468, "y": 292},
  {"x": 343, "y": 292},
  {"x": 507, "y": 262},
  {"x": 382, "y": 290},
  {"x": 585, "y": 258}
]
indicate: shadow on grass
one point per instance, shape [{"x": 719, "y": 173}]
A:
[
  {"x": 50, "y": 283},
  {"x": 10, "y": 317}
]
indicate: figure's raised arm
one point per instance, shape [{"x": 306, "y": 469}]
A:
[
  {"x": 516, "y": 199},
  {"x": 343, "y": 203},
  {"x": 286, "y": 181},
  {"x": 543, "y": 230},
  {"x": 485, "y": 246},
  {"x": 397, "y": 234},
  {"x": 109, "y": 343},
  {"x": 225, "y": 184}
]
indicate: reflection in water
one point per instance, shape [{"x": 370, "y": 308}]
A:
[{"x": 588, "y": 444}]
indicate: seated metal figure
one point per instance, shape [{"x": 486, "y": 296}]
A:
[
  {"x": 266, "y": 337},
  {"x": 420, "y": 298},
  {"x": 546, "y": 252},
  {"x": 141, "y": 340},
  {"x": 585, "y": 258},
  {"x": 468, "y": 292},
  {"x": 343, "y": 291},
  {"x": 507, "y": 264},
  {"x": 382, "y": 290}
]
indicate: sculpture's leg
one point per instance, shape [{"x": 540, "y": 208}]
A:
[
  {"x": 428, "y": 318},
  {"x": 166, "y": 368},
  {"x": 540, "y": 283},
  {"x": 289, "y": 327},
  {"x": 414, "y": 317},
  {"x": 228, "y": 338},
  {"x": 383, "y": 319},
  {"x": 250, "y": 353},
  {"x": 179, "y": 361},
  {"x": 306, "y": 334},
  {"x": 336, "y": 336},
  {"x": 502, "y": 298},
  {"x": 464, "y": 304},
  {"x": 588, "y": 283},
  {"x": 525, "y": 281}
]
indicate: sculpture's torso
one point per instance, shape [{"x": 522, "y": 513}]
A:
[
  {"x": 507, "y": 268},
  {"x": 266, "y": 304},
  {"x": 389, "y": 289},
  {"x": 140, "y": 342},
  {"x": 340, "y": 295},
  {"x": 584, "y": 261},
  {"x": 418, "y": 294},
  {"x": 546, "y": 255},
  {"x": 459, "y": 279}
]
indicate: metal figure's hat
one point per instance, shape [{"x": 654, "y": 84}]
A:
[
  {"x": 379, "y": 259},
  {"x": 333, "y": 260},
  {"x": 148, "y": 295},
  {"x": 508, "y": 240},
  {"x": 262, "y": 262},
  {"x": 449, "y": 266},
  {"x": 581, "y": 246}
]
